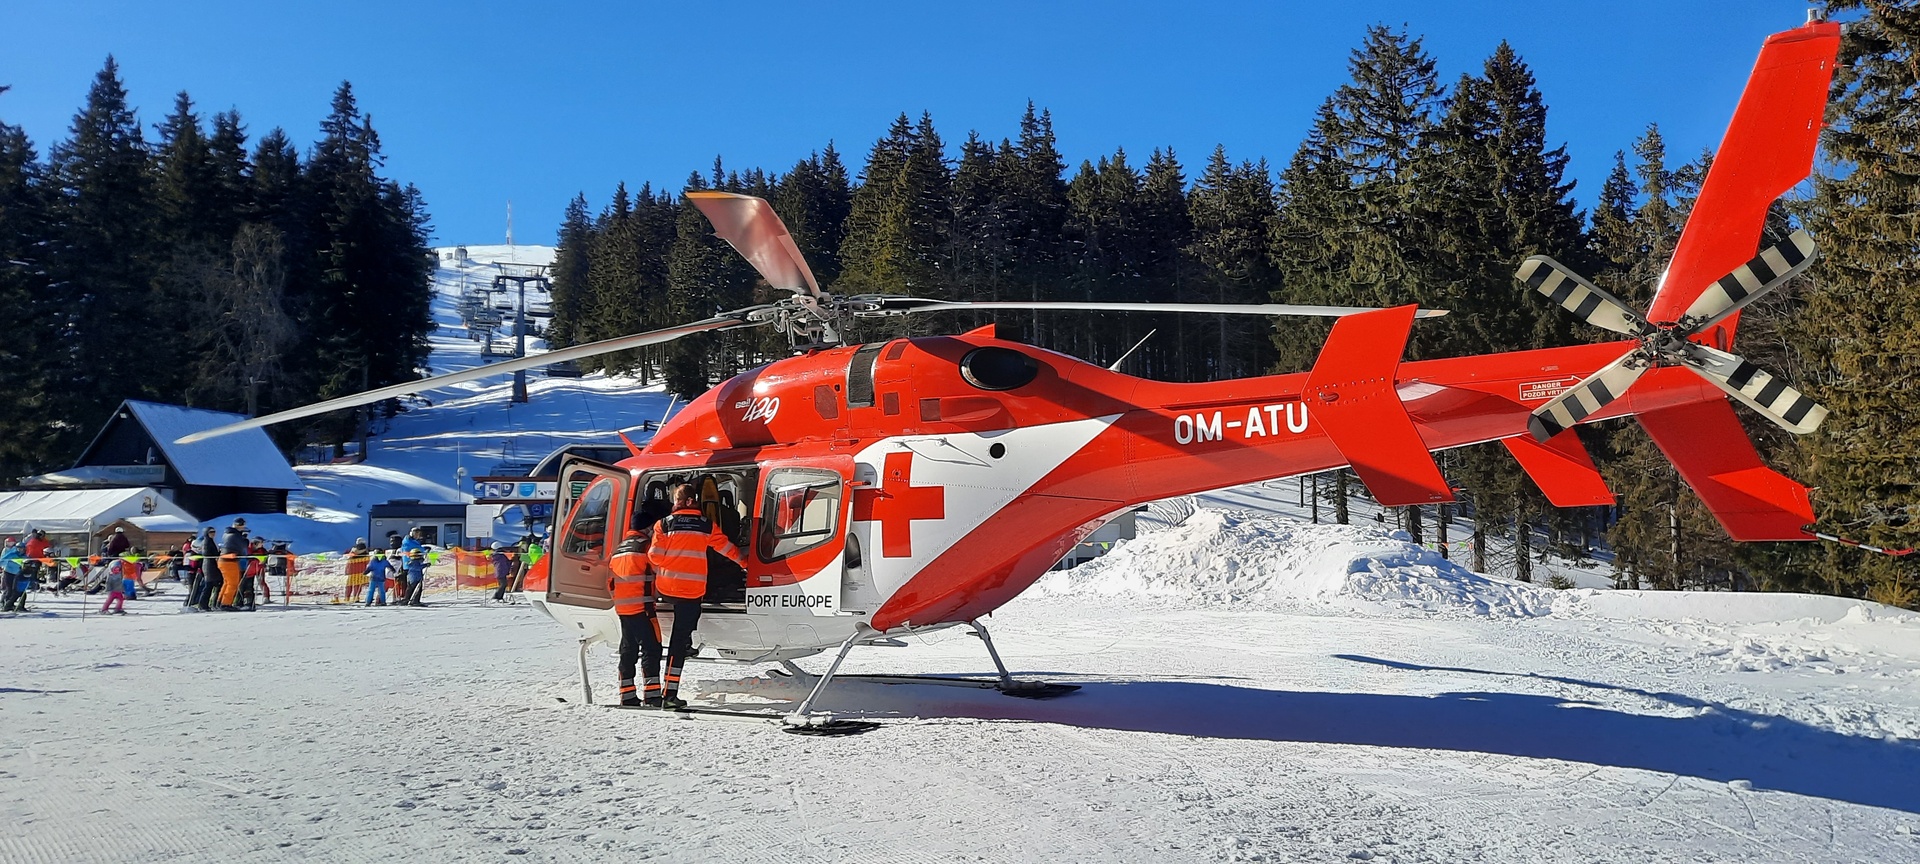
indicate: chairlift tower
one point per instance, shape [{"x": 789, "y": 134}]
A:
[{"x": 519, "y": 275}]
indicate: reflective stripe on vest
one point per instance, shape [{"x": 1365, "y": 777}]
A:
[
  {"x": 632, "y": 594},
  {"x": 679, "y": 553}
]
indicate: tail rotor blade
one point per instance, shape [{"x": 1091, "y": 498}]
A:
[
  {"x": 1758, "y": 389},
  {"x": 1750, "y": 281},
  {"x": 1577, "y": 295},
  {"x": 1586, "y": 398}
]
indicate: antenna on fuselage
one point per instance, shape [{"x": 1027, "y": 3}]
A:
[{"x": 1136, "y": 346}]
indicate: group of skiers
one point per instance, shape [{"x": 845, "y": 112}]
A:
[
  {"x": 405, "y": 563},
  {"x": 120, "y": 570},
  {"x": 402, "y": 568},
  {"x": 235, "y": 572}
]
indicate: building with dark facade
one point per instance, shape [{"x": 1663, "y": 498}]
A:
[{"x": 238, "y": 473}]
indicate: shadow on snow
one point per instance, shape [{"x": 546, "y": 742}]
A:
[{"x": 1709, "y": 740}]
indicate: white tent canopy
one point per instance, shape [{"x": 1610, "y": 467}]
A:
[{"x": 80, "y": 511}]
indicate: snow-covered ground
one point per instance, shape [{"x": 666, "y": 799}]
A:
[
  {"x": 1254, "y": 688},
  {"x": 1300, "y": 693}
]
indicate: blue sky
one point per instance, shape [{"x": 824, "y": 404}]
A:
[{"x": 481, "y": 103}]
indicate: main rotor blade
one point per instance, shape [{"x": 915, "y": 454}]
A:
[
  {"x": 1749, "y": 282},
  {"x": 577, "y": 352},
  {"x": 1577, "y": 295},
  {"x": 756, "y": 232},
  {"x": 892, "y": 305},
  {"x": 1586, "y": 398},
  {"x": 1757, "y": 389}
]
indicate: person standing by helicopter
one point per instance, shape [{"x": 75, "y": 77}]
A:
[
  {"x": 632, "y": 587},
  {"x": 679, "y": 559}
]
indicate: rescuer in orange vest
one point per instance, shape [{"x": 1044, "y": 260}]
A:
[
  {"x": 632, "y": 587},
  {"x": 679, "y": 559}
]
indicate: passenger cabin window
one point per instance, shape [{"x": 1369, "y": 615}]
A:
[
  {"x": 587, "y": 533},
  {"x": 801, "y": 511}
]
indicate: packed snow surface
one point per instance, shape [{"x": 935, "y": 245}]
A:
[{"x": 1254, "y": 687}]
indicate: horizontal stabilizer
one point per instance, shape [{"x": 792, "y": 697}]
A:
[
  {"x": 1562, "y": 469},
  {"x": 1705, "y": 441},
  {"x": 1353, "y": 398}
]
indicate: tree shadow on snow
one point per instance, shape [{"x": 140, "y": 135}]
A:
[{"x": 1710, "y": 741}]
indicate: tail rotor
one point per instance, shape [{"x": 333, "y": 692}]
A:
[{"x": 1671, "y": 344}]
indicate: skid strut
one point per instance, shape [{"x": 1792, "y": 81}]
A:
[
  {"x": 804, "y": 722},
  {"x": 586, "y": 684}
]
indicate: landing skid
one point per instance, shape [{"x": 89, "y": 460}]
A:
[
  {"x": 804, "y": 721},
  {"x": 1018, "y": 689},
  {"x": 819, "y": 726},
  {"x": 1005, "y": 683}
]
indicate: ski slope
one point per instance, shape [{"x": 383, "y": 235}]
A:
[{"x": 1255, "y": 687}]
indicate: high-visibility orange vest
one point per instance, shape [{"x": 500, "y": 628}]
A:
[
  {"x": 679, "y": 553},
  {"x": 632, "y": 591}
]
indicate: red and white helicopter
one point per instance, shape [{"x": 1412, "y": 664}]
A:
[{"x": 919, "y": 483}]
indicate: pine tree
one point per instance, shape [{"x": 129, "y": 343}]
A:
[
  {"x": 193, "y": 235},
  {"x": 572, "y": 266},
  {"x": 369, "y": 305},
  {"x": 873, "y": 244},
  {"x": 24, "y": 414},
  {"x": 104, "y": 256},
  {"x": 1165, "y": 232},
  {"x": 1232, "y": 207},
  {"x": 1860, "y": 320},
  {"x": 617, "y": 296},
  {"x": 1488, "y": 191},
  {"x": 980, "y": 251},
  {"x": 1663, "y": 537},
  {"x": 813, "y": 200}
]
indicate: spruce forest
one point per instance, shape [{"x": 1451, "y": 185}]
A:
[
  {"x": 259, "y": 280},
  {"x": 200, "y": 268}
]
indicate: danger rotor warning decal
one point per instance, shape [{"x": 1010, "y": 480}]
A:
[{"x": 1536, "y": 390}]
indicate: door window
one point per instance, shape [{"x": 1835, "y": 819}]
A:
[
  {"x": 801, "y": 511},
  {"x": 587, "y": 533}
]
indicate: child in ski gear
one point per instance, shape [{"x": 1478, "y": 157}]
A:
[
  {"x": 416, "y": 575},
  {"x": 253, "y": 572},
  {"x": 502, "y": 571},
  {"x": 115, "y": 586},
  {"x": 376, "y": 575},
  {"x": 397, "y": 570}
]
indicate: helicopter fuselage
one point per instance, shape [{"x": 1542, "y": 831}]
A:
[{"x": 922, "y": 482}]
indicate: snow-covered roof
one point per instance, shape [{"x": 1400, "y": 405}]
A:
[
  {"x": 74, "y": 511},
  {"x": 246, "y": 459},
  {"x": 164, "y": 523}
]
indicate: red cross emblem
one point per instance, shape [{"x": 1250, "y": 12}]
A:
[{"x": 897, "y": 503}]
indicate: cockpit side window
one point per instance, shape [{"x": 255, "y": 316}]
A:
[{"x": 801, "y": 510}]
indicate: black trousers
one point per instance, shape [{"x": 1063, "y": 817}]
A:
[
  {"x": 686, "y": 617},
  {"x": 640, "y": 644}
]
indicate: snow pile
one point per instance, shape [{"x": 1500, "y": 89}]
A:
[{"x": 1234, "y": 558}]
